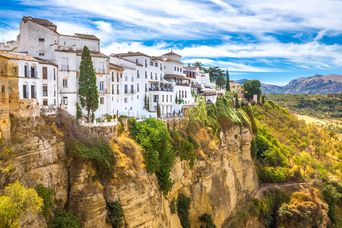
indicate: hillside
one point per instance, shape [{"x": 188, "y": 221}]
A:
[{"x": 317, "y": 84}]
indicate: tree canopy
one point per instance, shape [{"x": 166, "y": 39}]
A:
[
  {"x": 252, "y": 87},
  {"x": 88, "y": 94},
  {"x": 217, "y": 75}
]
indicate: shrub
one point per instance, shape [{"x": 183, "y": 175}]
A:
[
  {"x": 97, "y": 151},
  {"x": 332, "y": 193},
  {"x": 273, "y": 175},
  {"x": 64, "y": 220},
  {"x": 115, "y": 214},
  {"x": 48, "y": 197},
  {"x": 17, "y": 201},
  {"x": 183, "y": 146},
  {"x": 268, "y": 206},
  {"x": 183, "y": 205},
  {"x": 207, "y": 221},
  {"x": 155, "y": 139}
]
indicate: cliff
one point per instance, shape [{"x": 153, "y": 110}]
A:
[{"x": 218, "y": 183}]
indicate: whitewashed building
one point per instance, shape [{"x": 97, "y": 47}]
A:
[{"x": 131, "y": 84}]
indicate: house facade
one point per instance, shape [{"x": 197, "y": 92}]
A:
[{"x": 130, "y": 84}]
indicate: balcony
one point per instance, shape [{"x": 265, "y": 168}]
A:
[
  {"x": 161, "y": 89},
  {"x": 64, "y": 68},
  {"x": 102, "y": 92},
  {"x": 130, "y": 92}
]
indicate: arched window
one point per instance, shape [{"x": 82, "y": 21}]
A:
[
  {"x": 33, "y": 91},
  {"x": 25, "y": 91},
  {"x": 33, "y": 71},
  {"x": 26, "y": 70}
]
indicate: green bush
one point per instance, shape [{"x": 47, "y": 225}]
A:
[
  {"x": 273, "y": 174},
  {"x": 155, "y": 139},
  {"x": 268, "y": 206},
  {"x": 95, "y": 150},
  {"x": 332, "y": 193},
  {"x": 183, "y": 205},
  {"x": 115, "y": 214},
  {"x": 207, "y": 221},
  {"x": 183, "y": 146},
  {"x": 173, "y": 206},
  {"x": 48, "y": 197},
  {"x": 65, "y": 220}
]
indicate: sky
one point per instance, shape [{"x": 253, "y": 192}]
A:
[{"x": 270, "y": 40}]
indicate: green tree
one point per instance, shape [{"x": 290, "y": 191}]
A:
[
  {"x": 16, "y": 202},
  {"x": 227, "y": 81},
  {"x": 198, "y": 64},
  {"x": 217, "y": 76},
  {"x": 65, "y": 220},
  {"x": 87, "y": 84},
  {"x": 183, "y": 205},
  {"x": 252, "y": 87},
  {"x": 115, "y": 214}
]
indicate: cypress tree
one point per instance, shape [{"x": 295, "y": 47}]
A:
[
  {"x": 88, "y": 94},
  {"x": 227, "y": 81}
]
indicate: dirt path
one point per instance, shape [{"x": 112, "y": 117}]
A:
[{"x": 260, "y": 192}]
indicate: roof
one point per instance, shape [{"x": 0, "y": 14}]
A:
[
  {"x": 115, "y": 67},
  {"x": 94, "y": 54},
  {"x": 120, "y": 57},
  {"x": 17, "y": 56},
  {"x": 86, "y": 36},
  {"x": 44, "y": 61},
  {"x": 172, "y": 53},
  {"x": 43, "y": 22},
  {"x": 127, "y": 54},
  {"x": 157, "y": 58}
]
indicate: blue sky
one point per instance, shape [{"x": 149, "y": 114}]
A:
[{"x": 270, "y": 40}]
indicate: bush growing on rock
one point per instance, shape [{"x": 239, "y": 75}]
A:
[
  {"x": 155, "y": 139},
  {"x": 115, "y": 214},
  {"x": 16, "y": 202},
  {"x": 48, "y": 197},
  {"x": 64, "y": 220},
  {"x": 183, "y": 205},
  {"x": 206, "y": 221}
]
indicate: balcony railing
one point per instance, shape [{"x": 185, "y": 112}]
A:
[
  {"x": 161, "y": 89},
  {"x": 64, "y": 68},
  {"x": 102, "y": 92},
  {"x": 130, "y": 91}
]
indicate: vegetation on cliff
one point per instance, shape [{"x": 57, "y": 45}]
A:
[
  {"x": 64, "y": 219},
  {"x": 183, "y": 205},
  {"x": 154, "y": 137},
  {"x": 16, "y": 202},
  {"x": 115, "y": 215}
]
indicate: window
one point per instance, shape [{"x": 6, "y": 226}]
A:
[
  {"x": 136, "y": 61},
  {"x": 117, "y": 77},
  {"x": 33, "y": 91},
  {"x": 26, "y": 71},
  {"x": 41, "y": 39},
  {"x": 138, "y": 87},
  {"x": 3, "y": 89},
  {"x": 101, "y": 87},
  {"x": 117, "y": 89},
  {"x": 126, "y": 88},
  {"x": 54, "y": 74},
  {"x": 101, "y": 100},
  {"x": 155, "y": 76},
  {"x": 41, "y": 54},
  {"x": 155, "y": 98},
  {"x": 65, "y": 100},
  {"x": 45, "y": 102},
  {"x": 45, "y": 73},
  {"x": 145, "y": 63},
  {"x": 185, "y": 95},
  {"x": 33, "y": 72},
  {"x": 175, "y": 68},
  {"x": 145, "y": 73},
  {"x": 45, "y": 90},
  {"x": 25, "y": 95},
  {"x": 151, "y": 76},
  {"x": 15, "y": 70},
  {"x": 138, "y": 76},
  {"x": 132, "y": 88},
  {"x": 167, "y": 98},
  {"x": 65, "y": 64},
  {"x": 125, "y": 99},
  {"x": 162, "y": 98},
  {"x": 113, "y": 89},
  {"x": 112, "y": 76},
  {"x": 145, "y": 87},
  {"x": 170, "y": 98},
  {"x": 65, "y": 83}
]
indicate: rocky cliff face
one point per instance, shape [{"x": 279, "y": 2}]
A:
[{"x": 217, "y": 184}]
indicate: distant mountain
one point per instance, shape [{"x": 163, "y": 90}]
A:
[{"x": 317, "y": 84}]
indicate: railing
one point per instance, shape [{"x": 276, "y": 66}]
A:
[
  {"x": 100, "y": 71},
  {"x": 130, "y": 92},
  {"x": 161, "y": 89},
  {"x": 102, "y": 92},
  {"x": 64, "y": 68}
]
